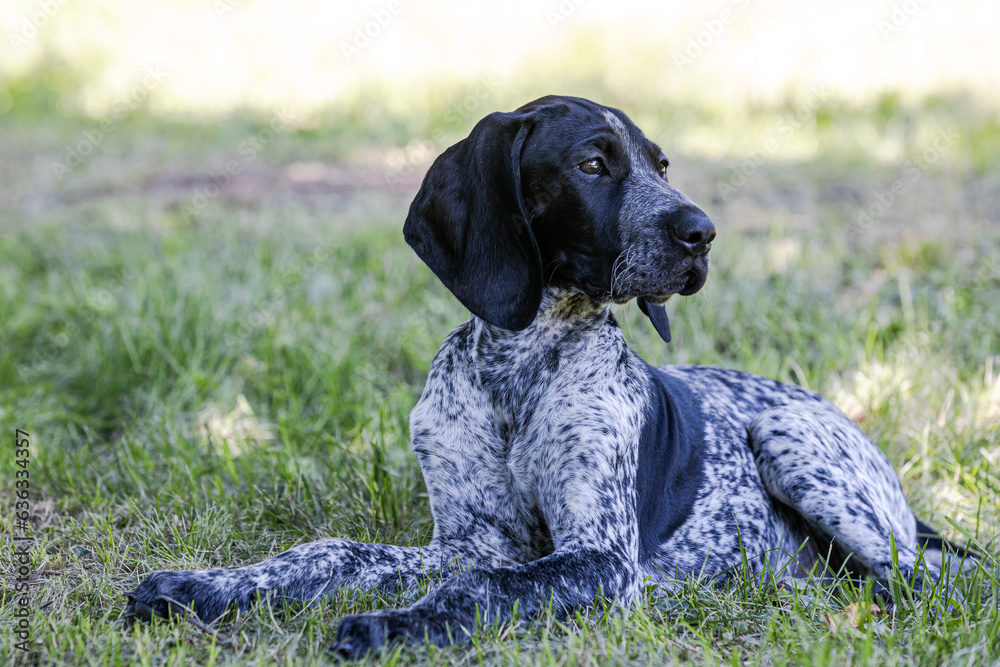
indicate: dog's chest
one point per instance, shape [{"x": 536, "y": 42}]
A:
[
  {"x": 564, "y": 408},
  {"x": 504, "y": 424}
]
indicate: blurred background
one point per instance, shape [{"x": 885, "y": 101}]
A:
[
  {"x": 235, "y": 54},
  {"x": 207, "y": 302},
  {"x": 385, "y": 86}
]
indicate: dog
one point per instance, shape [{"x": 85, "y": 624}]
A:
[{"x": 559, "y": 465}]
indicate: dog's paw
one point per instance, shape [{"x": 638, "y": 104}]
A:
[
  {"x": 359, "y": 635},
  {"x": 930, "y": 588},
  {"x": 207, "y": 594}
]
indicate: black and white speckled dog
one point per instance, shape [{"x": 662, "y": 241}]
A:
[{"x": 559, "y": 465}]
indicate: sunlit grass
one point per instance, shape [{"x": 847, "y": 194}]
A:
[{"x": 232, "y": 54}]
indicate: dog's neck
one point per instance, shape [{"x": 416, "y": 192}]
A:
[
  {"x": 561, "y": 310},
  {"x": 513, "y": 366},
  {"x": 570, "y": 306}
]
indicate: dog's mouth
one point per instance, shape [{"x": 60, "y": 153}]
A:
[
  {"x": 688, "y": 283},
  {"x": 658, "y": 299},
  {"x": 694, "y": 281},
  {"x": 656, "y": 289}
]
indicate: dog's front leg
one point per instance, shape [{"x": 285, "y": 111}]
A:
[
  {"x": 565, "y": 579},
  {"x": 578, "y": 465},
  {"x": 304, "y": 573}
]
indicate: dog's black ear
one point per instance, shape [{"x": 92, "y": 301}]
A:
[
  {"x": 658, "y": 316},
  {"x": 468, "y": 223}
]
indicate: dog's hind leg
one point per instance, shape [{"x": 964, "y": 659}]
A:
[
  {"x": 815, "y": 460},
  {"x": 304, "y": 573}
]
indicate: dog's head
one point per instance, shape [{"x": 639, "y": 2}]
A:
[{"x": 561, "y": 192}]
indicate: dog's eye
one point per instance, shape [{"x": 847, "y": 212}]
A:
[
  {"x": 592, "y": 167},
  {"x": 663, "y": 169}
]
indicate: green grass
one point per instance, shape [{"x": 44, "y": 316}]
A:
[{"x": 207, "y": 387}]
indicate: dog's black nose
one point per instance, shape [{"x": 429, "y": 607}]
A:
[{"x": 693, "y": 230}]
